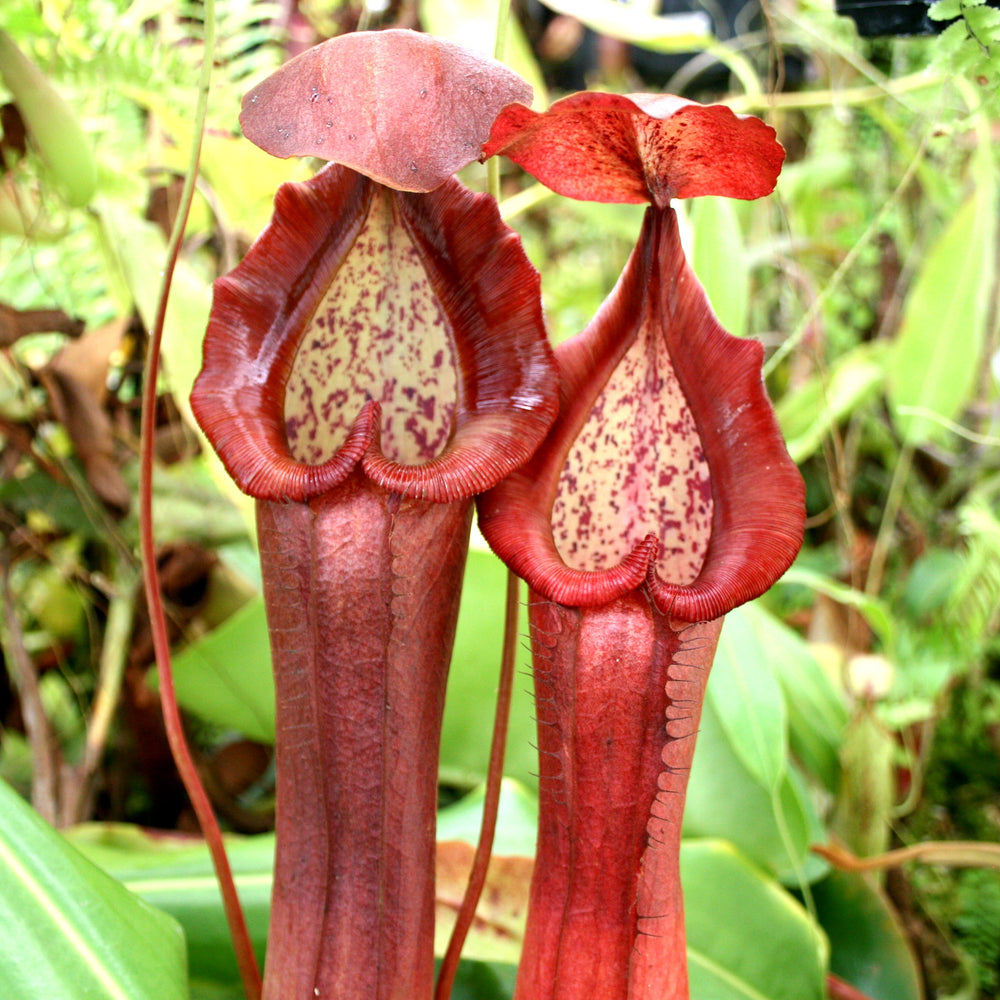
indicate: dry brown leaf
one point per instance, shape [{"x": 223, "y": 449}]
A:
[{"x": 498, "y": 929}]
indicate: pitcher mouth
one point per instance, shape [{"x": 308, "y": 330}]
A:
[
  {"x": 734, "y": 522},
  {"x": 449, "y": 387}
]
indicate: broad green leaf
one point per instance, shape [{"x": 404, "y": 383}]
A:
[
  {"x": 244, "y": 178},
  {"x": 225, "y": 677},
  {"x": 484, "y": 981},
  {"x": 816, "y": 711},
  {"x": 719, "y": 260},
  {"x": 937, "y": 355},
  {"x": 724, "y": 800},
  {"x": 498, "y": 930},
  {"x": 867, "y": 946},
  {"x": 517, "y": 819},
  {"x": 472, "y": 683},
  {"x": 808, "y": 412},
  {"x": 69, "y": 929},
  {"x": 748, "y": 939},
  {"x": 208, "y": 989},
  {"x": 175, "y": 874},
  {"x": 473, "y": 981},
  {"x": 748, "y": 701}
]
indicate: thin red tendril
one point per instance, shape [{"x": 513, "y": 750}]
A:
[{"x": 491, "y": 799}]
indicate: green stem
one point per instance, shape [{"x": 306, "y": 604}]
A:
[
  {"x": 524, "y": 200},
  {"x": 890, "y": 512},
  {"x": 114, "y": 655},
  {"x": 499, "y": 48},
  {"x": 847, "y": 97},
  {"x": 45, "y": 753},
  {"x": 503, "y": 29}
]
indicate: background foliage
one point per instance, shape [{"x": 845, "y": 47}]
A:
[{"x": 858, "y": 702}]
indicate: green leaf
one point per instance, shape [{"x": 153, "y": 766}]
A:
[
  {"x": 808, "y": 412},
  {"x": 931, "y": 581},
  {"x": 483, "y": 981},
  {"x": 225, "y": 677},
  {"x": 472, "y": 683},
  {"x": 952, "y": 40},
  {"x": 945, "y": 10},
  {"x": 188, "y": 506},
  {"x": 37, "y": 492},
  {"x": 867, "y": 946},
  {"x": 773, "y": 829},
  {"x": 817, "y": 714},
  {"x": 719, "y": 260},
  {"x": 983, "y": 21},
  {"x": 69, "y": 929},
  {"x": 748, "y": 939},
  {"x": 685, "y": 32},
  {"x": 874, "y": 611},
  {"x": 937, "y": 355},
  {"x": 748, "y": 701},
  {"x": 141, "y": 249},
  {"x": 244, "y": 178},
  {"x": 57, "y": 133},
  {"x": 517, "y": 819},
  {"x": 175, "y": 874}
]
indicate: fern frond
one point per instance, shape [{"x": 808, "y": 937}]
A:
[
  {"x": 974, "y": 606},
  {"x": 970, "y": 46}
]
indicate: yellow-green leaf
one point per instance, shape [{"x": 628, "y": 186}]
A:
[{"x": 937, "y": 355}]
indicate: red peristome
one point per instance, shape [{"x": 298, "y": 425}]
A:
[
  {"x": 401, "y": 107},
  {"x": 643, "y": 147},
  {"x": 705, "y": 561},
  {"x": 258, "y": 309},
  {"x": 758, "y": 520},
  {"x": 468, "y": 270}
]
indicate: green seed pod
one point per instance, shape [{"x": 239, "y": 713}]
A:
[
  {"x": 864, "y": 806},
  {"x": 56, "y": 133}
]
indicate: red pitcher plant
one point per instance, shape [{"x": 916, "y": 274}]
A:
[{"x": 376, "y": 362}]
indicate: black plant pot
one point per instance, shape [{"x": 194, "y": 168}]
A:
[{"x": 878, "y": 18}]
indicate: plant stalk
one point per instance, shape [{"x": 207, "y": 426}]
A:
[
  {"x": 619, "y": 691},
  {"x": 362, "y": 590}
]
